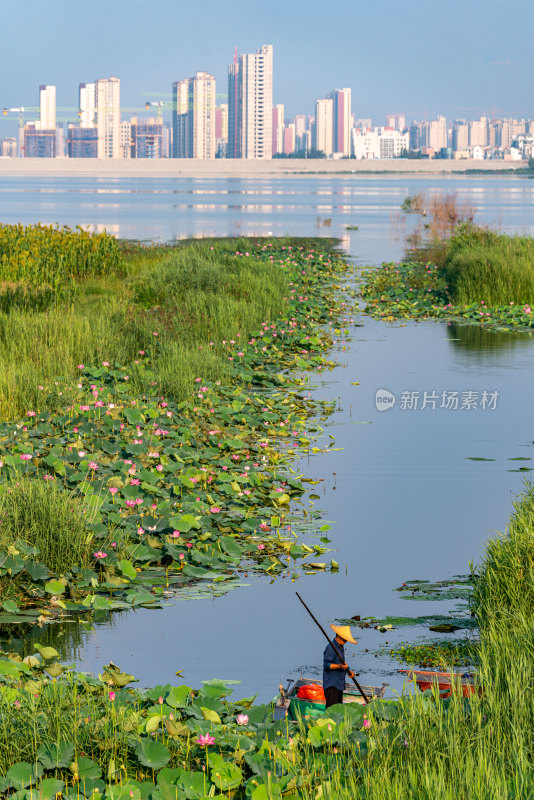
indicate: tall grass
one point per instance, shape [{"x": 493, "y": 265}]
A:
[
  {"x": 190, "y": 296},
  {"x": 40, "y": 515},
  {"x": 481, "y": 748},
  {"x": 46, "y": 255},
  {"x": 482, "y": 265}
]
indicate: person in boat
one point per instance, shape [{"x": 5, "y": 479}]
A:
[{"x": 334, "y": 672}]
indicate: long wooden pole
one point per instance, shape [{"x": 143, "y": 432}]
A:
[{"x": 336, "y": 651}]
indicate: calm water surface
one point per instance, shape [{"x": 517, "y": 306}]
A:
[{"x": 404, "y": 499}]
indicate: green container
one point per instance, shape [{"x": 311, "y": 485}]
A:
[{"x": 305, "y": 709}]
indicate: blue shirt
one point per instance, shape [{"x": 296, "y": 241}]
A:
[{"x": 333, "y": 677}]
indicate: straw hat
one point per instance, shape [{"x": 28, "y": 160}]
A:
[{"x": 344, "y": 632}]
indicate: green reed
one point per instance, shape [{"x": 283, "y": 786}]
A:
[
  {"x": 40, "y": 515},
  {"x": 482, "y": 265}
]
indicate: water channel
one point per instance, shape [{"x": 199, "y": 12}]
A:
[{"x": 403, "y": 496}]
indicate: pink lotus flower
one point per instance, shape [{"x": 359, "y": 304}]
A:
[
  {"x": 215, "y": 509},
  {"x": 242, "y": 719},
  {"x": 81, "y": 453},
  {"x": 261, "y": 547},
  {"x": 113, "y": 489},
  {"x": 25, "y": 456},
  {"x": 367, "y": 723},
  {"x": 111, "y": 696},
  {"x": 135, "y": 481},
  {"x": 182, "y": 556},
  {"x": 30, "y": 414},
  {"x": 175, "y": 534},
  {"x": 93, "y": 465},
  {"x": 153, "y": 455},
  {"x": 100, "y": 554},
  {"x": 159, "y": 468},
  {"x": 205, "y": 740},
  {"x": 105, "y": 363},
  {"x": 80, "y": 366}
]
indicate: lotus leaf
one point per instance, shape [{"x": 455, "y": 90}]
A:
[
  {"x": 55, "y": 669},
  {"x": 86, "y": 769},
  {"x": 179, "y": 696},
  {"x": 210, "y": 715},
  {"x": 55, "y": 587},
  {"x": 266, "y": 792},
  {"x": 48, "y": 653},
  {"x": 55, "y": 755},
  {"x": 127, "y": 569},
  {"x": 48, "y": 789},
  {"x": 124, "y": 791},
  {"x": 152, "y": 753},
  {"x": 226, "y": 776},
  {"x": 23, "y": 774}
]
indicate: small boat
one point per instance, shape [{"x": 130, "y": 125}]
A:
[
  {"x": 445, "y": 681},
  {"x": 292, "y": 706}
]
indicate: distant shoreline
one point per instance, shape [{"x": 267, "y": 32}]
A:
[{"x": 246, "y": 169}]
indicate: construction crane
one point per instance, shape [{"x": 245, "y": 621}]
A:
[
  {"x": 159, "y": 104},
  {"x": 20, "y": 112}
]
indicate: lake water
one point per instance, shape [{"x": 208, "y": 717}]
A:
[{"x": 404, "y": 499}]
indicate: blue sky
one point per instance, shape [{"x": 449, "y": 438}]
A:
[{"x": 460, "y": 58}]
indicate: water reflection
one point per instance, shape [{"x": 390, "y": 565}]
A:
[
  {"x": 483, "y": 346},
  {"x": 147, "y": 208}
]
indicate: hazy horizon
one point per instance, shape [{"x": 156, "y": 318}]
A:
[{"x": 454, "y": 60}]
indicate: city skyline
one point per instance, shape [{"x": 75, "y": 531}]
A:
[{"x": 387, "y": 54}]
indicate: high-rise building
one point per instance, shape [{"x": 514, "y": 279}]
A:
[
  {"x": 221, "y": 130},
  {"x": 478, "y": 132},
  {"x": 300, "y": 124},
  {"x": 39, "y": 142},
  {"x": 289, "y": 139},
  {"x": 460, "y": 135},
  {"x": 8, "y": 147},
  {"x": 147, "y": 138},
  {"x": 194, "y": 118},
  {"x": 396, "y": 121},
  {"x": 278, "y": 129},
  {"x": 87, "y": 105},
  {"x": 324, "y": 126},
  {"x": 125, "y": 138},
  {"x": 250, "y": 99},
  {"x": 436, "y": 133},
  {"x": 47, "y": 107},
  {"x": 82, "y": 142},
  {"x": 108, "y": 117},
  {"x": 341, "y": 125}
]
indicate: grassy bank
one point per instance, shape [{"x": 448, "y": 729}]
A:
[
  {"x": 172, "y": 427},
  {"x": 453, "y": 268},
  {"x": 84, "y": 736}
]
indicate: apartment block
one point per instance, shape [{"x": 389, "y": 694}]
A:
[
  {"x": 38, "y": 142},
  {"x": 146, "y": 138},
  {"x": 87, "y": 99},
  {"x": 341, "y": 123},
  {"x": 47, "y": 107},
  {"x": 194, "y": 117},
  {"x": 324, "y": 126},
  {"x": 250, "y": 103},
  {"x": 8, "y": 147},
  {"x": 278, "y": 129},
  {"x": 108, "y": 117},
  {"x": 82, "y": 142}
]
